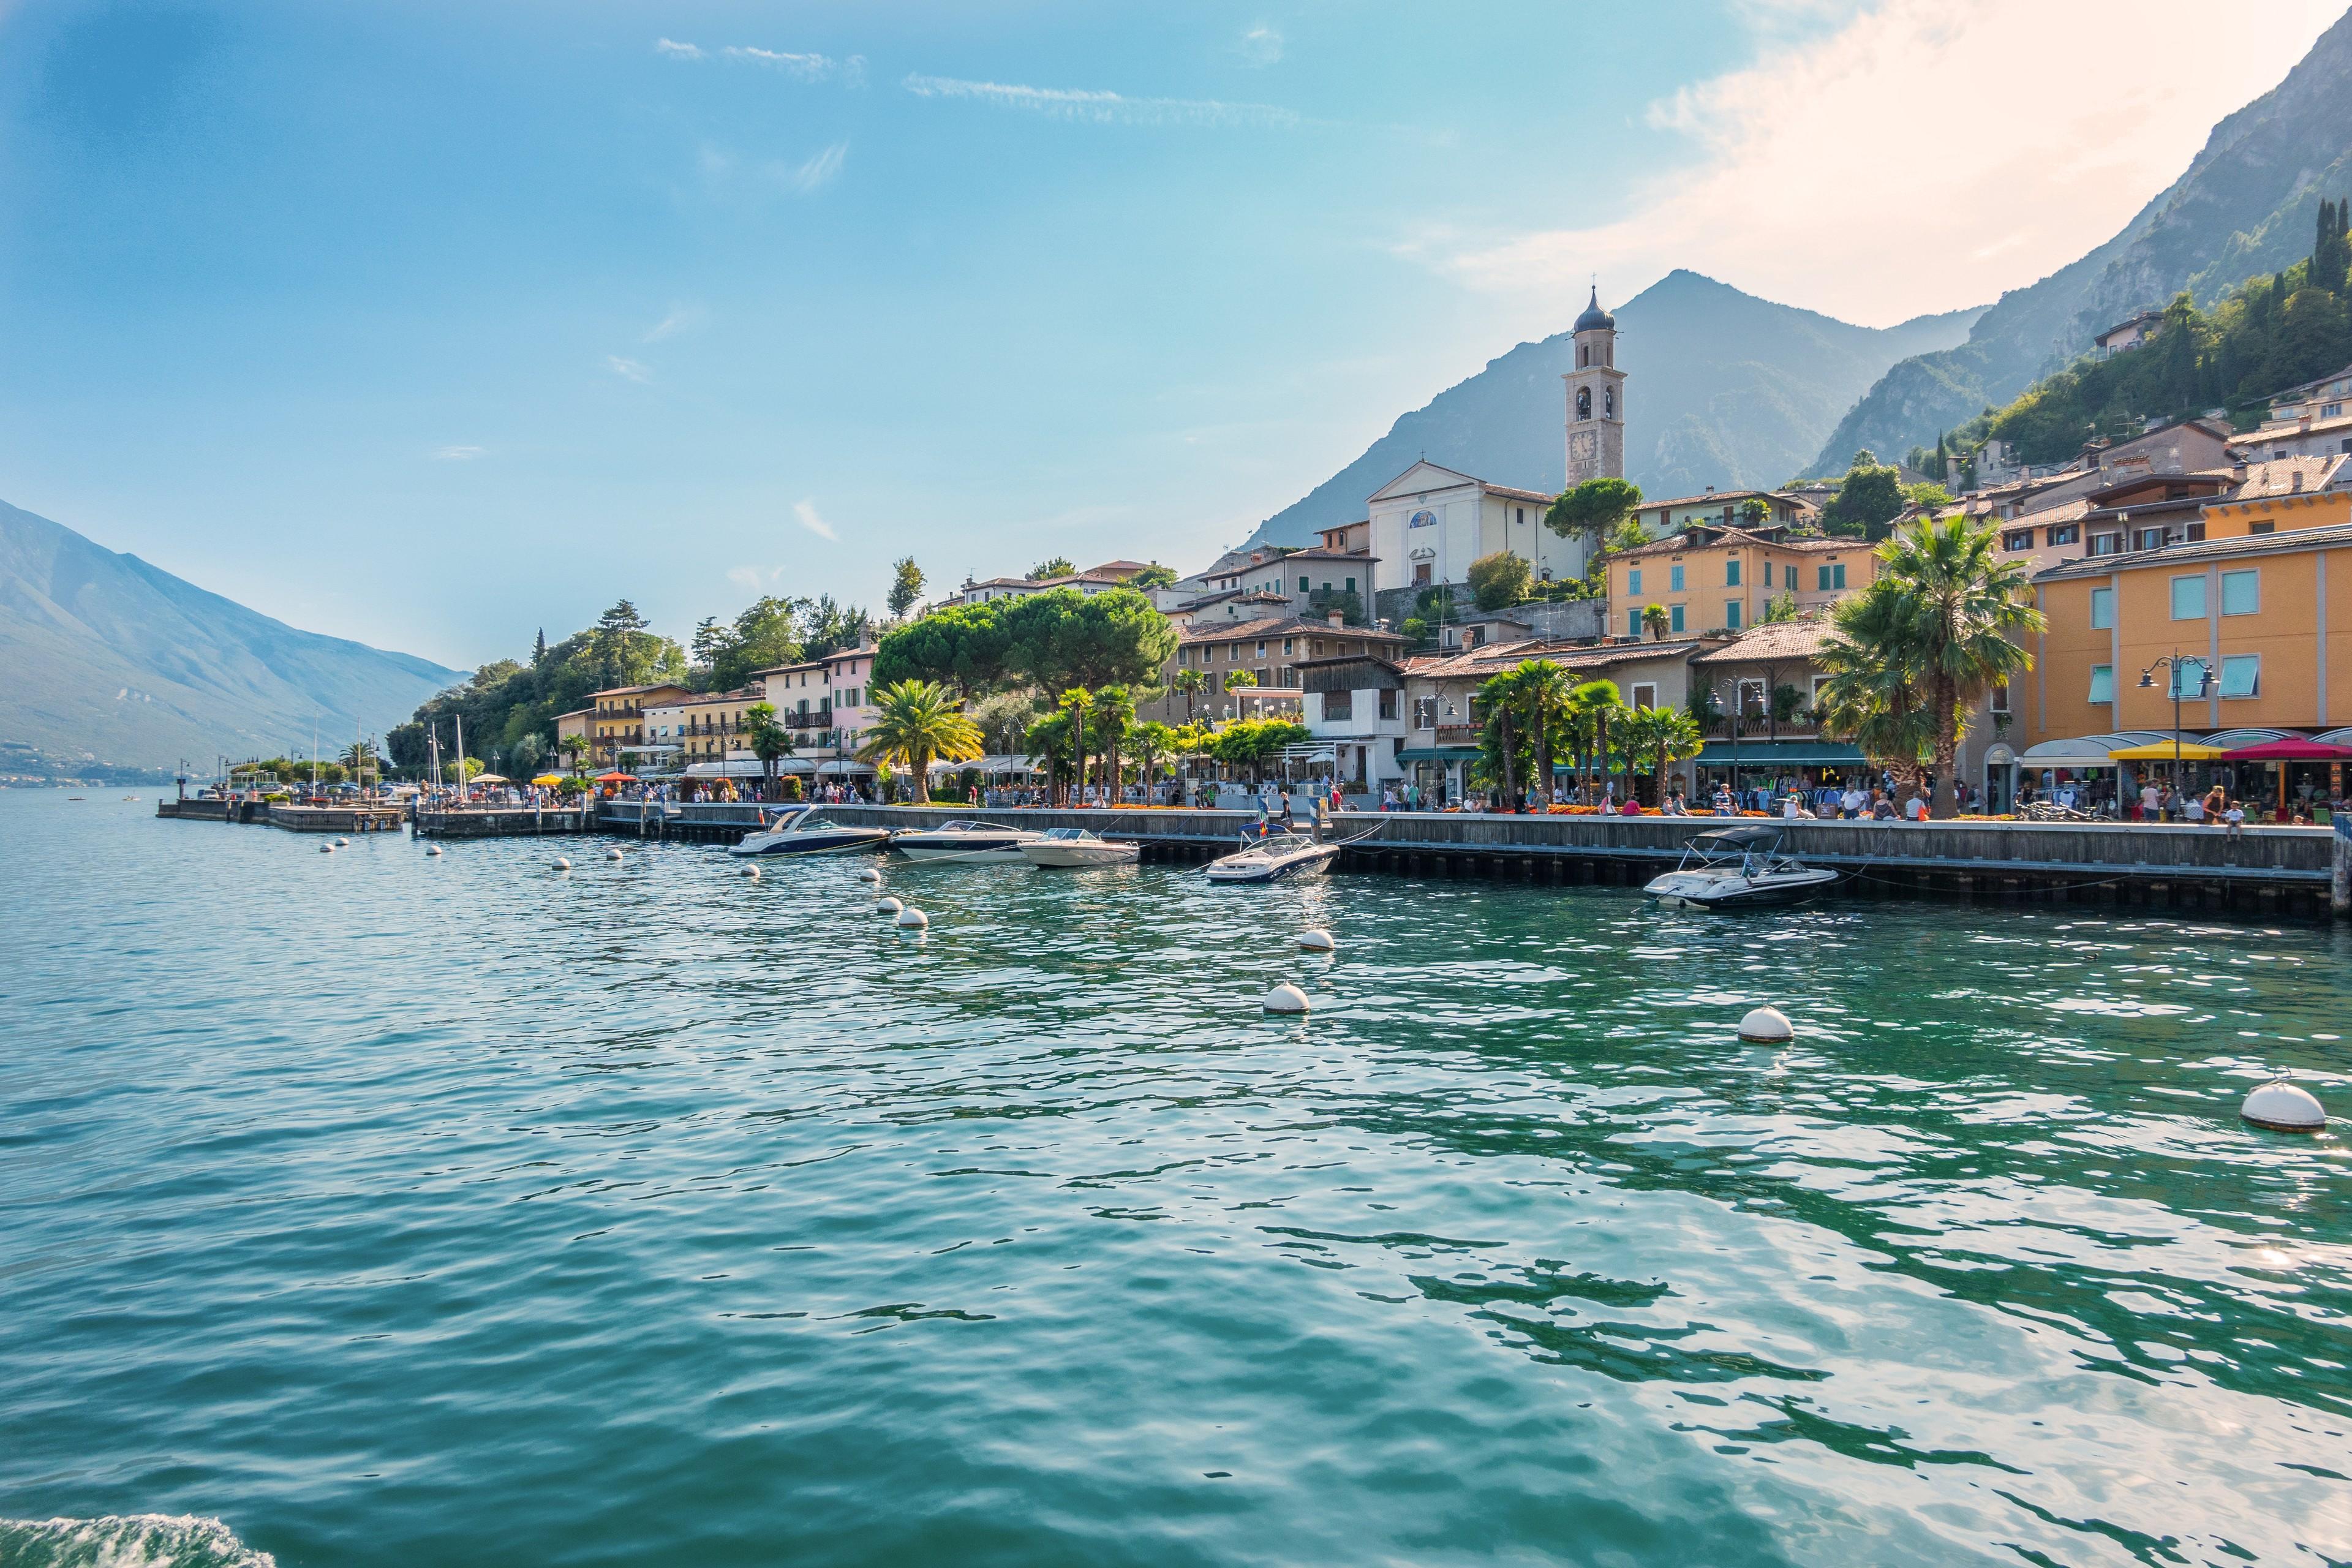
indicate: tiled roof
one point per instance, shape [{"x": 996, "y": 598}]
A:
[
  {"x": 2200, "y": 549},
  {"x": 2277, "y": 476},
  {"x": 632, "y": 691},
  {"x": 2289, "y": 432},
  {"x": 1286, "y": 625},
  {"x": 1773, "y": 641},
  {"x": 1480, "y": 662},
  {"x": 1734, "y": 538}
]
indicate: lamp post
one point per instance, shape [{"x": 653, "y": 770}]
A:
[
  {"x": 1734, "y": 688},
  {"x": 2173, "y": 662}
]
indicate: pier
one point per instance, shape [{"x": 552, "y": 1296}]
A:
[
  {"x": 359, "y": 817},
  {"x": 500, "y": 822},
  {"x": 2265, "y": 871}
]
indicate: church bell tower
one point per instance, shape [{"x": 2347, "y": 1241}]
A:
[{"x": 1596, "y": 399}]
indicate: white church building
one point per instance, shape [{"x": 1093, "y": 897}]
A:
[{"x": 1430, "y": 522}]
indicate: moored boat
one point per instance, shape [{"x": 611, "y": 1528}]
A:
[
  {"x": 1077, "y": 847},
  {"x": 802, "y": 832},
  {"x": 1271, "y": 859},
  {"x": 1738, "y": 867},
  {"x": 972, "y": 843}
]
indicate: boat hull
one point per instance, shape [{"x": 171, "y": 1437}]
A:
[
  {"x": 1001, "y": 852},
  {"x": 1308, "y": 865},
  {"x": 844, "y": 841},
  {"x": 1702, "y": 891},
  {"x": 1077, "y": 856}
]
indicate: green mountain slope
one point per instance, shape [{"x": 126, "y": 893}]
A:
[
  {"x": 2245, "y": 206},
  {"x": 1723, "y": 389},
  {"x": 112, "y": 660}
]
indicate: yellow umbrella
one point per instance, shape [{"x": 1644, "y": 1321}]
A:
[
  {"x": 546, "y": 781},
  {"x": 2189, "y": 752}
]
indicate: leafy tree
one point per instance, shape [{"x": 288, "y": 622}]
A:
[
  {"x": 1929, "y": 497},
  {"x": 1240, "y": 681},
  {"x": 1254, "y": 743},
  {"x": 964, "y": 646},
  {"x": 1655, "y": 621},
  {"x": 539, "y": 647},
  {"x": 828, "y": 628},
  {"x": 1003, "y": 719},
  {"x": 1499, "y": 580},
  {"x": 1062, "y": 638},
  {"x": 1153, "y": 576},
  {"x": 1053, "y": 566},
  {"x": 906, "y": 586},
  {"x": 1868, "y": 499},
  {"x": 1755, "y": 511},
  {"x": 1593, "y": 508},
  {"x": 765, "y": 636},
  {"x": 916, "y": 722},
  {"x": 617, "y": 631},
  {"x": 708, "y": 642},
  {"x": 1323, "y": 601}
]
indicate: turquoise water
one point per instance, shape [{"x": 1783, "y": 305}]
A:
[{"x": 371, "y": 1208}]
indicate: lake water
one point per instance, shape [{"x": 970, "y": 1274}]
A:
[{"x": 373, "y": 1208}]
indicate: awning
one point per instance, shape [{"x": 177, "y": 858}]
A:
[
  {"x": 2289, "y": 752},
  {"x": 840, "y": 766},
  {"x": 1439, "y": 754},
  {"x": 2185, "y": 751},
  {"x": 2085, "y": 751},
  {"x": 1781, "y": 755}
]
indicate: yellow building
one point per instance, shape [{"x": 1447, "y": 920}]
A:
[
  {"x": 1725, "y": 579},
  {"x": 616, "y": 718},
  {"x": 2255, "y": 600},
  {"x": 701, "y": 727}
]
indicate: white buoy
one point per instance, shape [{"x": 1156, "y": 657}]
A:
[
  {"x": 1767, "y": 1027},
  {"x": 869, "y": 875},
  {"x": 1286, "y": 998},
  {"x": 913, "y": 919},
  {"x": 561, "y": 864},
  {"x": 326, "y": 850},
  {"x": 2283, "y": 1107},
  {"x": 753, "y": 872},
  {"x": 887, "y": 905},
  {"x": 612, "y": 853},
  {"x": 433, "y": 850},
  {"x": 1314, "y": 939},
  {"x": 342, "y": 844}
]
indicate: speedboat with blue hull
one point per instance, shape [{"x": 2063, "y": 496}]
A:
[
  {"x": 803, "y": 832},
  {"x": 1738, "y": 868},
  {"x": 1273, "y": 858}
]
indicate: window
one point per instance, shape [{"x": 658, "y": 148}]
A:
[
  {"x": 1675, "y": 619},
  {"x": 2103, "y": 609},
  {"x": 2066, "y": 534},
  {"x": 2241, "y": 595},
  {"x": 1633, "y": 623},
  {"x": 2267, "y": 527},
  {"x": 1352, "y": 584},
  {"x": 1233, "y": 653},
  {"x": 1999, "y": 704},
  {"x": 1821, "y": 579},
  {"x": 1302, "y": 585},
  {"x": 1339, "y": 705},
  {"x": 1633, "y": 579},
  {"x": 2102, "y": 683},
  {"x": 2189, "y": 598},
  {"x": 1731, "y": 573},
  {"x": 1261, "y": 647},
  {"x": 1316, "y": 648},
  {"x": 2017, "y": 540},
  {"x": 1646, "y": 695},
  {"x": 2241, "y": 675},
  {"x": 1731, "y": 615},
  {"x": 2188, "y": 680},
  {"x": 2106, "y": 544},
  {"x": 1674, "y": 579},
  {"x": 1751, "y": 699},
  {"x": 1425, "y": 712},
  {"x": 1522, "y": 518},
  {"x": 1387, "y": 704},
  {"x": 1285, "y": 646}
]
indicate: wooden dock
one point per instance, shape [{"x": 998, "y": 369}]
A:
[
  {"x": 2264, "y": 872},
  {"x": 356, "y": 818},
  {"x": 500, "y": 822}
]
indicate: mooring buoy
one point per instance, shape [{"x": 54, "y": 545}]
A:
[
  {"x": 2279, "y": 1106},
  {"x": 1767, "y": 1027},
  {"x": 913, "y": 919},
  {"x": 1286, "y": 998},
  {"x": 753, "y": 872},
  {"x": 561, "y": 864},
  {"x": 1314, "y": 939},
  {"x": 887, "y": 905}
]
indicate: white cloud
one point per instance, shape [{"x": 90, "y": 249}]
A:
[
  {"x": 682, "y": 319},
  {"x": 1260, "y": 44},
  {"x": 455, "y": 454},
  {"x": 676, "y": 50},
  {"x": 812, "y": 68},
  {"x": 629, "y": 369},
  {"x": 813, "y": 172},
  {"x": 752, "y": 579},
  {"x": 1103, "y": 108},
  {"x": 805, "y": 513},
  {"x": 1922, "y": 156}
]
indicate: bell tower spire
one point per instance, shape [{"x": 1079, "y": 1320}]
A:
[{"x": 1596, "y": 399}]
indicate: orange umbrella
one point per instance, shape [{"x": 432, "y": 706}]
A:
[{"x": 616, "y": 776}]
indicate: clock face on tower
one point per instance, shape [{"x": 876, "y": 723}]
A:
[{"x": 1583, "y": 445}]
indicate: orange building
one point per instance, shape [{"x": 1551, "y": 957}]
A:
[{"x": 1724, "y": 579}]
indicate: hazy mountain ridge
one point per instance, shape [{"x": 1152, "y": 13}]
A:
[
  {"x": 2245, "y": 206},
  {"x": 1722, "y": 389},
  {"x": 110, "y": 657}
]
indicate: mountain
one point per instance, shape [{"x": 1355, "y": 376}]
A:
[
  {"x": 114, "y": 661},
  {"x": 1722, "y": 389},
  {"x": 2247, "y": 205}
]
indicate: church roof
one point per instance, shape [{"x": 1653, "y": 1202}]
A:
[{"x": 1595, "y": 318}]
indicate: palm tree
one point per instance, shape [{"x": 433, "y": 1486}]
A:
[
  {"x": 1655, "y": 620},
  {"x": 1049, "y": 744},
  {"x": 1113, "y": 712},
  {"x": 1872, "y": 694},
  {"x": 1153, "y": 741},
  {"x": 1240, "y": 681},
  {"x": 916, "y": 722},
  {"x": 1074, "y": 704},
  {"x": 1500, "y": 696},
  {"x": 769, "y": 742},
  {"x": 1668, "y": 734},
  {"x": 574, "y": 748},
  {"x": 1188, "y": 683},
  {"x": 1543, "y": 690},
  {"x": 1964, "y": 613},
  {"x": 1597, "y": 700}
]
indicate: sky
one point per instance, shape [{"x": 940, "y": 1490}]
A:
[{"x": 435, "y": 324}]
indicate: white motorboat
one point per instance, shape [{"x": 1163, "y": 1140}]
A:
[
  {"x": 1273, "y": 858},
  {"x": 802, "y": 832},
  {"x": 1737, "y": 868},
  {"x": 972, "y": 843},
  {"x": 1067, "y": 846}
]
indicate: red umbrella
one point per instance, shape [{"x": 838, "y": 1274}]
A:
[
  {"x": 616, "y": 776},
  {"x": 2290, "y": 751}
]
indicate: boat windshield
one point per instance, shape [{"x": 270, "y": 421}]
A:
[
  {"x": 960, "y": 826},
  {"x": 1066, "y": 834},
  {"x": 1280, "y": 844}
]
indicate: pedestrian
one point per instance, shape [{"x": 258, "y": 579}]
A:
[
  {"x": 2235, "y": 816},
  {"x": 1850, "y": 804}
]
